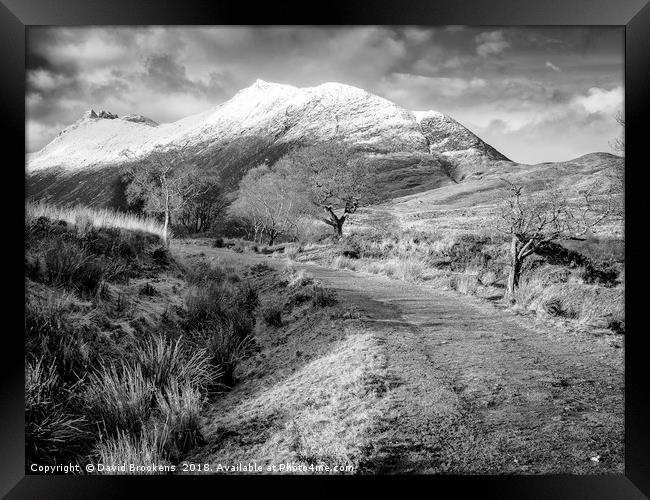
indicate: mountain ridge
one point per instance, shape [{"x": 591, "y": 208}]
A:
[
  {"x": 285, "y": 112},
  {"x": 412, "y": 151}
]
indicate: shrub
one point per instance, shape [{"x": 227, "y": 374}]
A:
[{"x": 271, "y": 312}]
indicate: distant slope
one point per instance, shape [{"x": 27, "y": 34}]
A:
[
  {"x": 413, "y": 151},
  {"x": 468, "y": 205}
]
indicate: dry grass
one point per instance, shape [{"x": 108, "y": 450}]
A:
[
  {"x": 140, "y": 452},
  {"x": 316, "y": 410},
  {"x": 478, "y": 265},
  {"x": 54, "y": 431},
  {"x": 83, "y": 217},
  {"x": 109, "y": 362},
  {"x": 587, "y": 304}
]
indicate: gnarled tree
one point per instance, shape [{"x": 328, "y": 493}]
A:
[
  {"x": 336, "y": 178},
  {"x": 533, "y": 221}
]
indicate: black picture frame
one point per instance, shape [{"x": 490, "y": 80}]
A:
[{"x": 631, "y": 15}]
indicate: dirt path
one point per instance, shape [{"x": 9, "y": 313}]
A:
[{"x": 472, "y": 389}]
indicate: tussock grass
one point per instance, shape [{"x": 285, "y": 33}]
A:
[
  {"x": 227, "y": 348},
  {"x": 106, "y": 382},
  {"x": 141, "y": 451},
  {"x": 343, "y": 262},
  {"x": 219, "y": 303},
  {"x": 54, "y": 431},
  {"x": 588, "y": 304},
  {"x": 84, "y": 217},
  {"x": 179, "y": 408},
  {"x": 405, "y": 268},
  {"x": 271, "y": 311},
  {"x": 120, "y": 396},
  {"x": 165, "y": 363},
  {"x": 220, "y": 317}
]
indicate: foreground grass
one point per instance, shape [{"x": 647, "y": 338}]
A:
[
  {"x": 127, "y": 348},
  {"x": 121, "y": 357}
]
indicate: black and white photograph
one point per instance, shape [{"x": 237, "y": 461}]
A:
[{"x": 324, "y": 250}]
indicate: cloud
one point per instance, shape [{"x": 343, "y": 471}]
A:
[
  {"x": 169, "y": 72},
  {"x": 552, "y": 66},
  {"x": 601, "y": 101},
  {"x": 490, "y": 43}
]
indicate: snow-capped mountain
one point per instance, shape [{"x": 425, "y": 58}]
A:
[{"x": 414, "y": 150}]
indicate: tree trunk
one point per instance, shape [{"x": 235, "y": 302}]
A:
[
  {"x": 515, "y": 268},
  {"x": 339, "y": 227},
  {"x": 337, "y": 224},
  {"x": 166, "y": 225}
]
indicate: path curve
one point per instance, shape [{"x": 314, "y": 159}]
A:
[{"x": 475, "y": 389}]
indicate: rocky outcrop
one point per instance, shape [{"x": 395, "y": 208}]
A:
[
  {"x": 90, "y": 114},
  {"x": 140, "y": 119}
]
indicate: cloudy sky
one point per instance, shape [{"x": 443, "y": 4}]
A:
[{"x": 536, "y": 94}]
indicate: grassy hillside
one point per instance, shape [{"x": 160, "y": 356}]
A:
[
  {"x": 125, "y": 347},
  {"x": 468, "y": 206}
]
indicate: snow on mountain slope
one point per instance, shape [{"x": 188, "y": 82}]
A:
[
  {"x": 415, "y": 150},
  {"x": 283, "y": 112}
]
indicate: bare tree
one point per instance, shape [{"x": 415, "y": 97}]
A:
[
  {"x": 204, "y": 202},
  {"x": 337, "y": 179},
  {"x": 618, "y": 144},
  {"x": 270, "y": 200},
  {"x": 617, "y": 172},
  {"x": 158, "y": 182},
  {"x": 533, "y": 221}
]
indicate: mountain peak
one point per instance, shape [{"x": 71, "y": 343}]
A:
[{"x": 90, "y": 114}]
